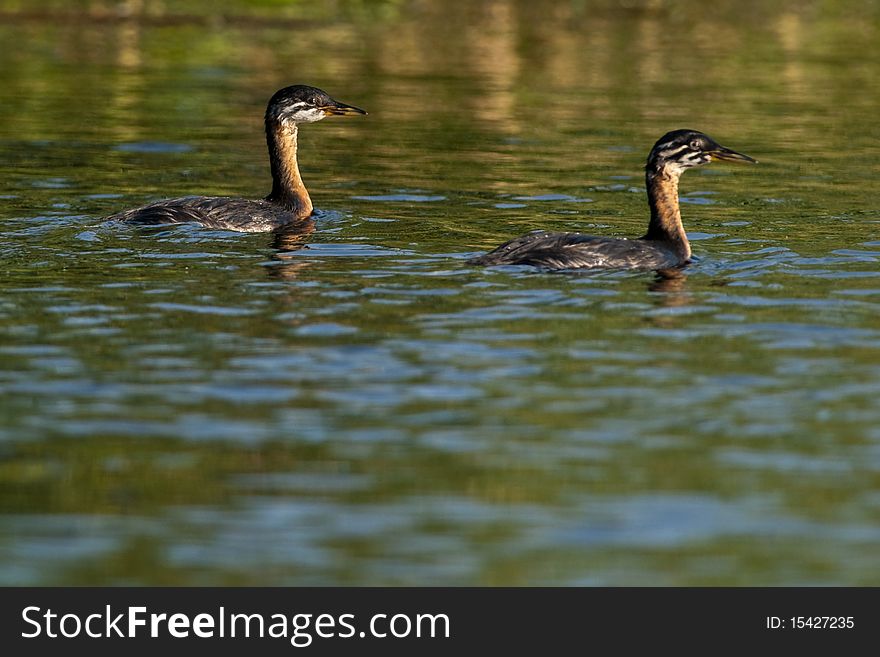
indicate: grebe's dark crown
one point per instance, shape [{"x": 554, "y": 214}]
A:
[
  {"x": 301, "y": 103},
  {"x": 682, "y": 149}
]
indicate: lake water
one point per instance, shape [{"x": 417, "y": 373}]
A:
[{"x": 360, "y": 406}]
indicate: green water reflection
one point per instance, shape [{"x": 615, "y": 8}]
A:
[{"x": 199, "y": 407}]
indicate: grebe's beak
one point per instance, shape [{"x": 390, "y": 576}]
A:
[
  {"x": 727, "y": 155},
  {"x": 341, "y": 109}
]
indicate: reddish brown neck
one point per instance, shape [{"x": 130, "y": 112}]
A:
[
  {"x": 666, "y": 223},
  {"x": 287, "y": 185}
]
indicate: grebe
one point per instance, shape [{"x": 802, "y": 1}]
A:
[
  {"x": 664, "y": 246},
  {"x": 288, "y": 202}
]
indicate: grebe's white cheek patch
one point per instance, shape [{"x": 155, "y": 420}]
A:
[
  {"x": 309, "y": 115},
  {"x": 305, "y": 115}
]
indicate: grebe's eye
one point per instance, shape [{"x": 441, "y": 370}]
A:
[{"x": 696, "y": 145}]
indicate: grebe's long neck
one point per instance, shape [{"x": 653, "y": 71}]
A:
[
  {"x": 287, "y": 185},
  {"x": 666, "y": 223}
]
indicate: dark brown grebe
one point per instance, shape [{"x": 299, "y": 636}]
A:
[
  {"x": 664, "y": 246},
  {"x": 288, "y": 202}
]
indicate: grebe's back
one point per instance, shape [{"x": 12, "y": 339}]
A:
[
  {"x": 578, "y": 251},
  {"x": 228, "y": 213}
]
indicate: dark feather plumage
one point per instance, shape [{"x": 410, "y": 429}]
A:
[
  {"x": 212, "y": 212},
  {"x": 577, "y": 251}
]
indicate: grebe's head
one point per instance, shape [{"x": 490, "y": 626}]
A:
[
  {"x": 682, "y": 149},
  {"x": 303, "y": 104}
]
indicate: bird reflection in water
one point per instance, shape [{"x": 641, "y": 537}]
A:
[
  {"x": 671, "y": 286},
  {"x": 286, "y": 243}
]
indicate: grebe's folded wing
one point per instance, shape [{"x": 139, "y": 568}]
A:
[
  {"x": 577, "y": 251},
  {"x": 212, "y": 212}
]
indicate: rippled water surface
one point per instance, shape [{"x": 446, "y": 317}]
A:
[{"x": 357, "y": 405}]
